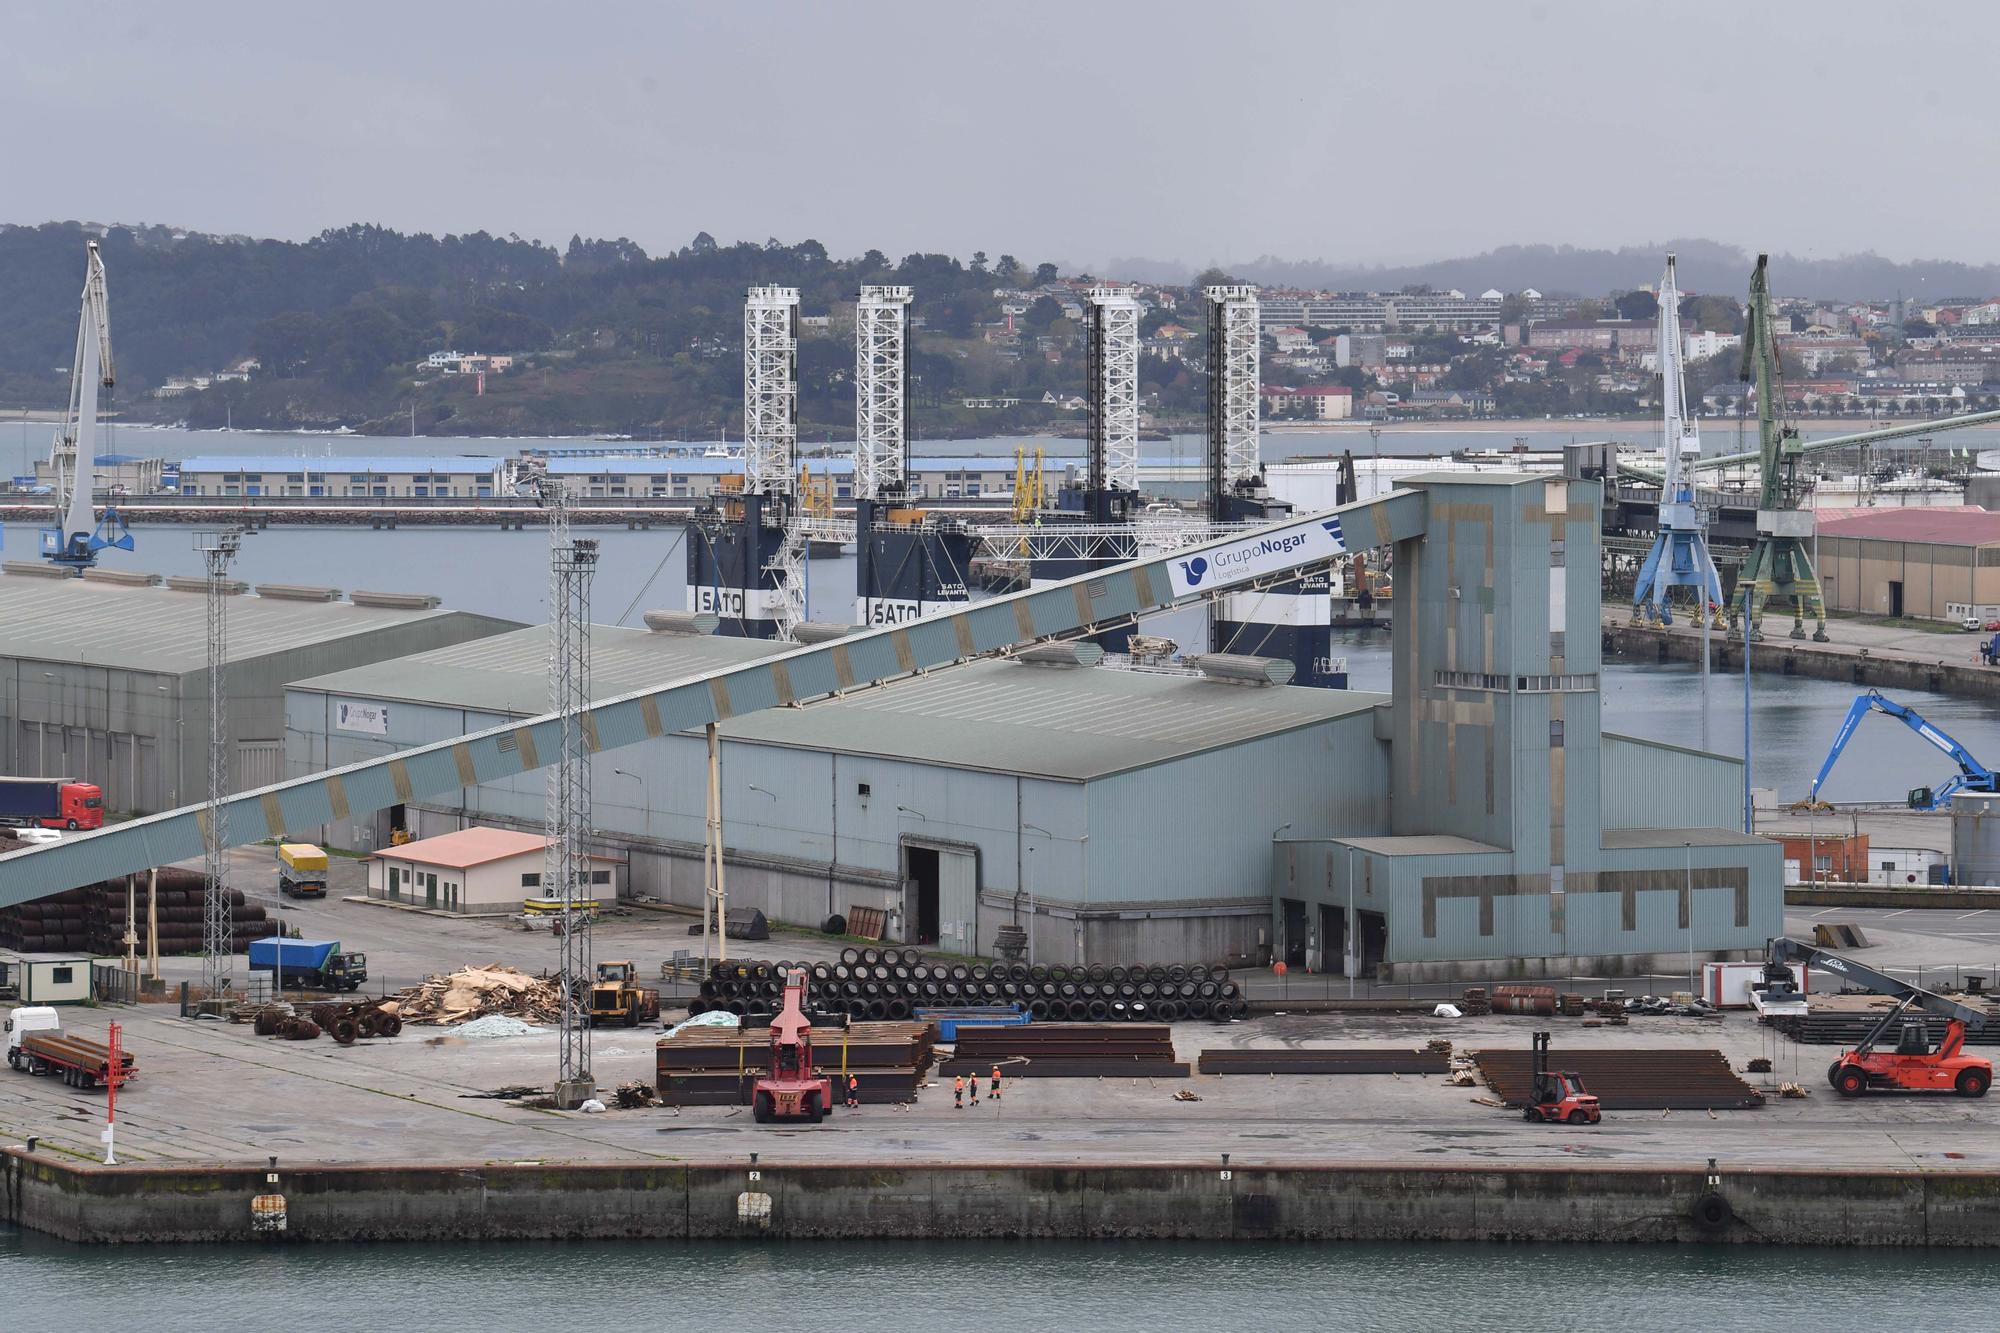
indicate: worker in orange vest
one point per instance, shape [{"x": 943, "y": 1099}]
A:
[
  {"x": 996, "y": 1083},
  {"x": 972, "y": 1086},
  {"x": 853, "y": 1091},
  {"x": 958, "y": 1092}
]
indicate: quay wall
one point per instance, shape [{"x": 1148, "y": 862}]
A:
[
  {"x": 1864, "y": 668},
  {"x": 905, "y": 1200}
]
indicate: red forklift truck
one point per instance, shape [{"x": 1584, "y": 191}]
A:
[
  {"x": 1915, "y": 1064},
  {"x": 1558, "y": 1097},
  {"x": 792, "y": 1090}
]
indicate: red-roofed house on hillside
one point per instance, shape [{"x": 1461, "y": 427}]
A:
[
  {"x": 1932, "y": 562},
  {"x": 476, "y": 870}
]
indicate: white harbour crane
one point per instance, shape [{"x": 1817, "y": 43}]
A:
[
  {"x": 80, "y": 534},
  {"x": 1679, "y": 558}
]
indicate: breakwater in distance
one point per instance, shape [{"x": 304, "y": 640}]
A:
[{"x": 863, "y": 1200}]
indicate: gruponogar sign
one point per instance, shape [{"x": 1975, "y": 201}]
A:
[{"x": 1266, "y": 553}]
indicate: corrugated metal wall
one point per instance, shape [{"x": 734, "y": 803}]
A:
[
  {"x": 1650, "y": 785},
  {"x": 1202, "y": 827}
]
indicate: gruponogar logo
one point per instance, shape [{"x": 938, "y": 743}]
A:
[{"x": 1253, "y": 556}]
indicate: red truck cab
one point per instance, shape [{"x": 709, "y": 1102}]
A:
[{"x": 51, "y": 803}]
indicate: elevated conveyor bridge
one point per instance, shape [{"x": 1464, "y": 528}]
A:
[{"x": 806, "y": 674}]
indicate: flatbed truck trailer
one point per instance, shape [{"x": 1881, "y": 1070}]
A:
[{"x": 36, "y": 1044}]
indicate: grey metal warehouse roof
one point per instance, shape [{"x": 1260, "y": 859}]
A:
[
  {"x": 509, "y": 673},
  {"x": 1068, "y": 723},
  {"x": 159, "y": 629},
  {"x": 1058, "y": 722}
]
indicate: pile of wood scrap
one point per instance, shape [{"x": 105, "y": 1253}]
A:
[{"x": 475, "y": 992}]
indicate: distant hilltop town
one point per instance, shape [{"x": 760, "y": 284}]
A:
[{"x": 378, "y": 332}]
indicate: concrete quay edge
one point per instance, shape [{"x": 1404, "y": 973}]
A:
[{"x": 898, "y": 1199}]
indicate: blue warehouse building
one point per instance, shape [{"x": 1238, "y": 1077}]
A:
[{"x": 1475, "y": 822}]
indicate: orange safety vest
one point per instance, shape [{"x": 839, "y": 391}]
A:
[
  {"x": 958, "y": 1084},
  {"x": 996, "y": 1073}
]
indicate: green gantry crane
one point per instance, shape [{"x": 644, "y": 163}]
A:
[{"x": 1780, "y": 565}]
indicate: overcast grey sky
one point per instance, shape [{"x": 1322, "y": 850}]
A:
[{"x": 1077, "y": 129}]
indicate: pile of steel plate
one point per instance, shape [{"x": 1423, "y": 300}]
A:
[
  {"x": 715, "y": 1066},
  {"x": 1321, "y": 1060},
  {"x": 1670, "y": 1079},
  {"x": 1068, "y": 1050}
]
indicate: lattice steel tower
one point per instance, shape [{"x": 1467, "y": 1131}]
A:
[
  {"x": 881, "y": 391},
  {"x": 770, "y": 389},
  {"x": 1114, "y": 390},
  {"x": 218, "y": 941},
  {"x": 566, "y": 874},
  {"x": 1233, "y": 402}
]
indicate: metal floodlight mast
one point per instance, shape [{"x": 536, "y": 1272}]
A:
[
  {"x": 566, "y": 876},
  {"x": 1114, "y": 390},
  {"x": 1233, "y": 388},
  {"x": 770, "y": 389},
  {"x": 218, "y": 942},
  {"x": 881, "y": 392}
]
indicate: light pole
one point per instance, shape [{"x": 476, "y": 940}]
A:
[
  {"x": 1375, "y": 483},
  {"x": 645, "y": 798},
  {"x": 1687, "y": 854}
]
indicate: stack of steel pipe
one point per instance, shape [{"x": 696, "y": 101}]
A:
[
  {"x": 91, "y": 919},
  {"x": 711, "y": 1066},
  {"x": 1844, "y": 1020},
  {"x": 1321, "y": 1060},
  {"x": 1068, "y": 1050},
  {"x": 885, "y": 983},
  {"x": 1628, "y": 1080}
]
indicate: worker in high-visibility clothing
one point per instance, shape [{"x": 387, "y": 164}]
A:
[
  {"x": 853, "y": 1091},
  {"x": 958, "y": 1092},
  {"x": 996, "y": 1083},
  {"x": 972, "y": 1087}
]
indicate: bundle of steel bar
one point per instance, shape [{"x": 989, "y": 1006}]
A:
[
  {"x": 878, "y": 984},
  {"x": 1843, "y": 1020},
  {"x": 1628, "y": 1080},
  {"x": 1069, "y": 1050},
  {"x": 704, "y": 1066},
  {"x": 1321, "y": 1060}
]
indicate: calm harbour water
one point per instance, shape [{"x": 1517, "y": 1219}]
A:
[{"x": 986, "y": 1286}]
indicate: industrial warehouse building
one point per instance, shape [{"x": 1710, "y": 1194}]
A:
[
  {"x": 105, "y": 678},
  {"x": 1474, "y": 823},
  {"x": 1932, "y": 562},
  {"x": 599, "y": 477},
  {"x": 288, "y": 475}
]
